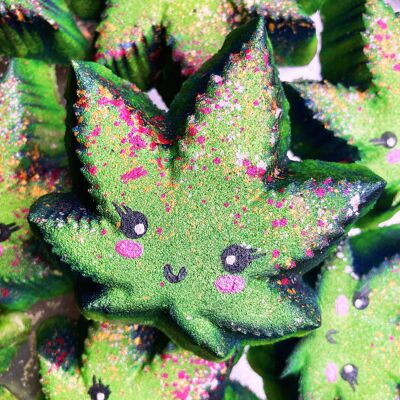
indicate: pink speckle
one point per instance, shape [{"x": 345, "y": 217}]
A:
[
  {"x": 159, "y": 230},
  {"x": 129, "y": 249},
  {"x": 205, "y": 110},
  {"x": 201, "y": 139},
  {"x": 1, "y": 250},
  {"x": 251, "y": 171},
  {"x": 320, "y": 223},
  {"x": 217, "y": 161},
  {"x": 182, "y": 394},
  {"x": 309, "y": 253},
  {"x": 285, "y": 281},
  {"x": 331, "y": 372},
  {"x": 279, "y": 204},
  {"x": 379, "y": 38},
  {"x": 226, "y": 205},
  {"x": 96, "y": 131},
  {"x": 162, "y": 284},
  {"x": 276, "y": 223},
  {"x": 382, "y": 24},
  {"x": 181, "y": 374},
  {"x": 266, "y": 59},
  {"x": 256, "y": 103},
  {"x": 137, "y": 142},
  {"x": 342, "y": 305},
  {"x": 229, "y": 284},
  {"x": 104, "y": 232},
  {"x": 135, "y": 173},
  {"x": 320, "y": 192},
  {"x": 396, "y": 67},
  {"x": 275, "y": 253},
  {"x": 393, "y": 157},
  {"x": 92, "y": 170}
]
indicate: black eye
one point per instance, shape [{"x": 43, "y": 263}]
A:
[
  {"x": 387, "y": 139},
  {"x": 350, "y": 373},
  {"x": 133, "y": 223},
  {"x": 361, "y": 299},
  {"x": 7, "y": 230},
  {"x": 98, "y": 391},
  {"x": 236, "y": 258}
]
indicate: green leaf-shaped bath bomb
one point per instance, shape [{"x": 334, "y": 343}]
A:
[
  {"x": 355, "y": 353},
  {"x": 133, "y": 35},
  {"x": 31, "y": 143},
  {"x": 40, "y": 29},
  {"x": 198, "y": 223},
  {"x": 127, "y": 362},
  {"x": 367, "y": 118}
]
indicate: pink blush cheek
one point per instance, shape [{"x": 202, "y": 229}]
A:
[
  {"x": 331, "y": 372},
  {"x": 393, "y": 157},
  {"x": 342, "y": 305},
  {"x": 129, "y": 249},
  {"x": 229, "y": 284}
]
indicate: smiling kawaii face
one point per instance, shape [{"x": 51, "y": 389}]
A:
[
  {"x": 355, "y": 351},
  {"x": 202, "y": 227}
]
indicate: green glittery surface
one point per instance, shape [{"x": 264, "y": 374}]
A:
[
  {"x": 31, "y": 165},
  {"x": 87, "y": 9},
  {"x": 209, "y": 175},
  {"x": 128, "y": 362},
  {"x": 360, "y": 117},
  {"x": 40, "y": 29},
  {"x": 132, "y": 34},
  {"x": 360, "y": 325}
]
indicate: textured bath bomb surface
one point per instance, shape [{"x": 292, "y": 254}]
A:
[
  {"x": 40, "y": 29},
  {"x": 202, "y": 226},
  {"x": 87, "y": 9},
  {"x": 310, "y": 6},
  {"x": 127, "y": 362},
  {"x": 367, "y": 119},
  {"x": 132, "y": 34},
  {"x": 31, "y": 143},
  {"x": 14, "y": 329},
  {"x": 355, "y": 353}
]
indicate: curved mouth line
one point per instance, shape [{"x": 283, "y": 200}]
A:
[{"x": 174, "y": 278}]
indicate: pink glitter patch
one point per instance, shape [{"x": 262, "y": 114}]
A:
[
  {"x": 382, "y": 24},
  {"x": 129, "y": 249},
  {"x": 331, "y": 372},
  {"x": 93, "y": 170},
  {"x": 136, "y": 173},
  {"x": 342, "y": 305},
  {"x": 393, "y": 156},
  {"x": 229, "y": 284}
]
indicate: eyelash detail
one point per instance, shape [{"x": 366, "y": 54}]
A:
[
  {"x": 387, "y": 139},
  {"x": 235, "y": 258},
  {"x": 7, "y": 230},
  {"x": 133, "y": 223}
]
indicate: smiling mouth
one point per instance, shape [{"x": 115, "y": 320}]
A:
[{"x": 174, "y": 278}]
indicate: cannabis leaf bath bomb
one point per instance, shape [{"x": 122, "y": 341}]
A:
[
  {"x": 40, "y": 29},
  {"x": 367, "y": 117},
  {"x": 127, "y": 362},
  {"x": 355, "y": 353},
  {"x": 132, "y": 33},
  {"x": 31, "y": 145},
  {"x": 198, "y": 223}
]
